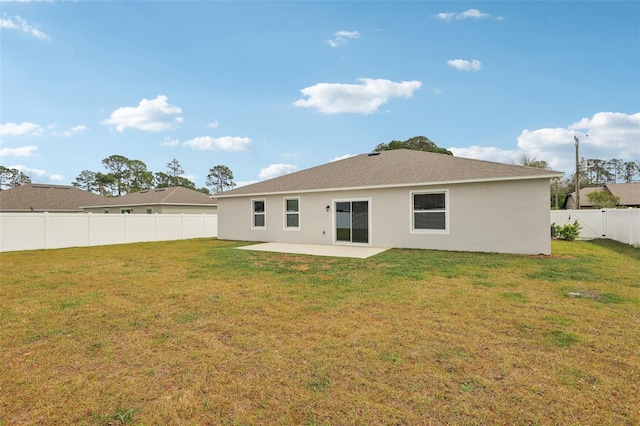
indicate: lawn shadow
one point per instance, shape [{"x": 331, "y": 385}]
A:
[{"x": 618, "y": 247}]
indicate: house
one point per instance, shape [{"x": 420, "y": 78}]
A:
[
  {"x": 629, "y": 194},
  {"x": 172, "y": 200},
  {"x": 39, "y": 198},
  {"x": 399, "y": 198}
]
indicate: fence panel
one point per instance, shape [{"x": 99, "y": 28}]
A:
[
  {"x": 617, "y": 224},
  {"x": 624, "y": 226},
  {"x": 33, "y": 231}
]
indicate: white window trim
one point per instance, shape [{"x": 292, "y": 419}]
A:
[
  {"x": 291, "y": 228},
  {"x": 333, "y": 221},
  {"x": 447, "y": 208},
  {"x": 253, "y": 213}
]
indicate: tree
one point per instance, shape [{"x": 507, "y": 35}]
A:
[
  {"x": 598, "y": 172},
  {"x": 417, "y": 143},
  {"x": 220, "y": 178},
  {"x": 87, "y": 181},
  {"x": 106, "y": 184},
  {"x": 531, "y": 160},
  {"x": 629, "y": 170},
  {"x": 175, "y": 171},
  {"x": 12, "y": 178},
  {"x": 118, "y": 166},
  {"x": 139, "y": 177},
  {"x": 161, "y": 180},
  {"x": 603, "y": 199},
  {"x": 616, "y": 168}
]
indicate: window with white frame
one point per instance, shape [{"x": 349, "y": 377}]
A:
[
  {"x": 259, "y": 215},
  {"x": 429, "y": 211},
  {"x": 292, "y": 213}
]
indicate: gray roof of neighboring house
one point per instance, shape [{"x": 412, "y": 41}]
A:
[
  {"x": 584, "y": 196},
  {"x": 175, "y": 195},
  {"x": 629, "y": 193},
  {"x": 46, "y": 198},
  {"x": 400, "y": 167}
]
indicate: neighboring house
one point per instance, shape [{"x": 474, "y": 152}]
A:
[
  {"x": 39, "y": 198},
  {"x": 399, "y": 198},
  {"x": 629, "y": 194},
  {"x": 172, "y": 200}
]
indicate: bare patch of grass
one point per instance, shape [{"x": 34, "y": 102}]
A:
[{"x": 197, "y": 332}]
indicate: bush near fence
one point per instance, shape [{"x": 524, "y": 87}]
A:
[
  {"x": 33, "y": 231},
  {"x": 622, "y": 225}
]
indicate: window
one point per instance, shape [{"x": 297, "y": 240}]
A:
[
  {"x": 126, "y": 211},
  {"x": 292, "y": 213},
  {"x": 106, "y": 211},
  {"x": 258, "y": 214},
  {"x": 149, "y": 210},
  {"x": 429, "y": 211}
]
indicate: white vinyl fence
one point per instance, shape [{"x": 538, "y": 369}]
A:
[
  {"x": 617, "y": 224},
  {"x": 33, "y": 231}
]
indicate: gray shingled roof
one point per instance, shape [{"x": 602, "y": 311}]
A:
[
  {"x": 629, "y": 193},
  {"x": 176, "y": 195},
  {"x": 46, "y": 198},
  {"x": 399, "y": 167}
]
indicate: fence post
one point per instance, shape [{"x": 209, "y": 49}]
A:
[
  {"x": 45, "y": 219},
  {"x": 89, "y": 229}
]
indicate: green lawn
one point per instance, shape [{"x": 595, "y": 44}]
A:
[{"x": 196, "y": 332}]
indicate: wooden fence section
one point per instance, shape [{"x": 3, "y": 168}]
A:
[
  {"x": 33, "y": 231},
  {"x": 617, "y": 224}
]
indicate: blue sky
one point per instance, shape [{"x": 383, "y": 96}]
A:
[{"x": 267, "y": 88}]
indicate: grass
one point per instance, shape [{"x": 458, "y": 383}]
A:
[{"x": 195, "y": 332}]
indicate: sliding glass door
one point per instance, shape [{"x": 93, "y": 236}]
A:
[{"x": 352, "y": 221}]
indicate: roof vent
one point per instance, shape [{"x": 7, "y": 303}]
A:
[{"x": 373, "y": 154}]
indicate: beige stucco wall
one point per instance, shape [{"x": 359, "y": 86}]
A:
[{"x": 505, "y": 216}]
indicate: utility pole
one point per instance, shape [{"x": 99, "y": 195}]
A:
[{"x": 575, "y": 138}]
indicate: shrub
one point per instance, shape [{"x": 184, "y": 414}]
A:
[{"x": 567, "y": 232}]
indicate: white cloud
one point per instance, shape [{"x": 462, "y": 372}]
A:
[
  {"x": 467, "y": 14},
  {"x": 37, "y": 175},
  {"x": 169, "y": 141},
  {"x": 472, "y": 13},
  {"x": 615, "y": 130},
  {"x": 245, "y": 183},
  {"x": 213, "y": 124},
  {"x": 23, "y": 151},
  {"x": 71, "y": 131},
  {"x": 342, "y": 157},
  {"x": 606, "y": 135},
  {"x": 224, "y": 143},
  {"x": 24, "y": 128},
  {"x": 464, "y": 65},
  {"x": 365, "y": 98},
  {"x": 17, "y": 23},
  {"x": 342, "y": 37},
  {"x": 488, "y": 153},
  {"x": 275, "y": 170},
  {"x": 153, "y": 115}
]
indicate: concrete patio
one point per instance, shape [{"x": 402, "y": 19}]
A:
[{"x": 317, "y": 250}]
